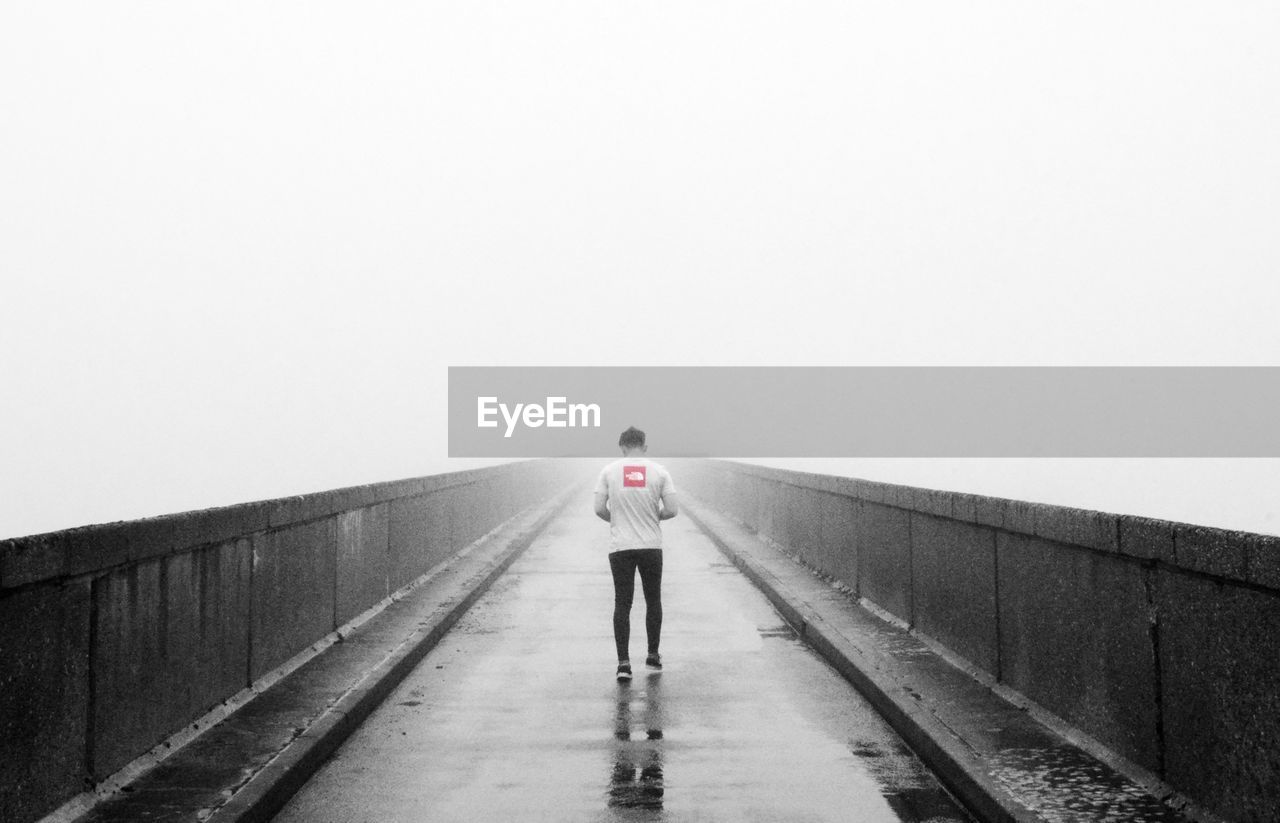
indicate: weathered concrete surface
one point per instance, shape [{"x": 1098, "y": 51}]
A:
[
  {"x": 884, "y": 558},
  {"x": 244, "y": 767},
  {"x": 363, "y": 561},
  {"x": 172, "y": 633},
  {"x": 994, "y": 755},
  {"x": 318, "y": 559},
  {"x": 801, "y": 517},
  {"x": 1081, "y": 627},
  {"x": 1221, "y": 682},
  {"x": 954, "y": 595},
  {"x": 1213, "y": 551},
  {"x": 471, "y": 518},
  {"x": 418, "y": 535},
  {"x": 294, "y": 579},
  {"x": 838, "y": 546},
  {"x": 43, "y": 731},
  {"x": 517, "y": 716},
  {"x": 1075, "y": 634},
  {"x": 1264, "y": 561},
  {"x": 1146, "y": 538}
]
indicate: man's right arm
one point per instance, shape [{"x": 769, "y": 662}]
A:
[{"x": 602, "y": 497}]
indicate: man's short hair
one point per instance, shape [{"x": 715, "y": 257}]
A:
[{"x": 632, "y": 438}]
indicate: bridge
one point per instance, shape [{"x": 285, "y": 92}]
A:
[{"x": 836, "y": 649}]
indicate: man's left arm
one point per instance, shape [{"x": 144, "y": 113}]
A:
[{"x": 670, "y": 508}]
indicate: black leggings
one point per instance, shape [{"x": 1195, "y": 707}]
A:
[{"x": 624, "y": 565}]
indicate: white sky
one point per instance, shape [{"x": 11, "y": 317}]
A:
[{"x": 241, "y": 242}]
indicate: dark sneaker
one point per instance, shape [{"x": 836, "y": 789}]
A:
[
  {"x": 654, "y": 661},
  {"x": 624, "y": 671}
]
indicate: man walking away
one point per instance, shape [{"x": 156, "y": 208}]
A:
[{"x": 632, "y": 495}]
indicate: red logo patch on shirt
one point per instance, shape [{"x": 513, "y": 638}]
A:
[{"x": 633, "y": 477}]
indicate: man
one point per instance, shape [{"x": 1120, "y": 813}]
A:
[{"x": 632, "y": 495}]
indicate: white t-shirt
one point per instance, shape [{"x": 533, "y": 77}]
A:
[{"x": 634, "y": 486}]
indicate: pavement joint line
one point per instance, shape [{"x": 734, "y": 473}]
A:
[
  {"x": 432, "y": 605},
  {"x": 963, "y": 768}
]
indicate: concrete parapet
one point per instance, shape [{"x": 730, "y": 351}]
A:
[
  {"x": 1151, "y": 637},
  {"x": 114, "y": 637}
]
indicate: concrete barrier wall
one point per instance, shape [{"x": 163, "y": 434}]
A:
[
  {"x": 114, "y": 637},
  {"x": 1158, "y": 639}
]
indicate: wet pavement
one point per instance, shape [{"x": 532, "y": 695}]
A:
[{"x": 516, "y": 714}]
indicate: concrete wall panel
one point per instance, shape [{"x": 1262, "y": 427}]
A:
[
  {"x": 294, "y": 580},
  {"x": 44, "y": 641},
  {"x": 408, "y": 532},
  {"x": 1220, "y": 673},
  {"x": 721, "y": 495},
  {"x": 838, "y": 538},
  {"x": 804, "y": 521},
  {"x": 363, "y": 561},
  {"x": 780, "y": 523},
  {"x": 884, "y": 558},
  {"x": 749, "y": 501},
  {"x": 418, "y": 529},
  {"x": 448, "y": 509},
  {"x": 733, "y": 494},
  {"x": 955, "y": 586},
  {"x": 766, "y": 516},
  {"x": 1075, "y": 636},
  {"x": 474, "y": 506},
  {"x": 172, "y": 640}
]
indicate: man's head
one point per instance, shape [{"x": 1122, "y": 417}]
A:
[{"x": 632, "y": 441}]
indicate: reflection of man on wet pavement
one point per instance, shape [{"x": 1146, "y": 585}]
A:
[
  {"x": 633, "y": 495},
  {"x": 636, "y": 779}
]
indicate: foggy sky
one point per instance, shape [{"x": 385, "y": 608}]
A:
[{"x": 240, "y": 243}]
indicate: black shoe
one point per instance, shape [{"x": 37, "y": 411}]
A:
[
  {"x": 654, "y": 661},
  {"x": 624, "y": 672}
]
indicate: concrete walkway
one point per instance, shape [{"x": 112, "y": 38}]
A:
[{"x": 516, "y": 713}]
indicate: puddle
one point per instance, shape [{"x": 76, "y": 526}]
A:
[{"x": 1067, "y": 786}]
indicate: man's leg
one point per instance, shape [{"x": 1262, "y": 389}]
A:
[
  {"x": 623, "y": 566},
  {"x": 650, "y": 564}
]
